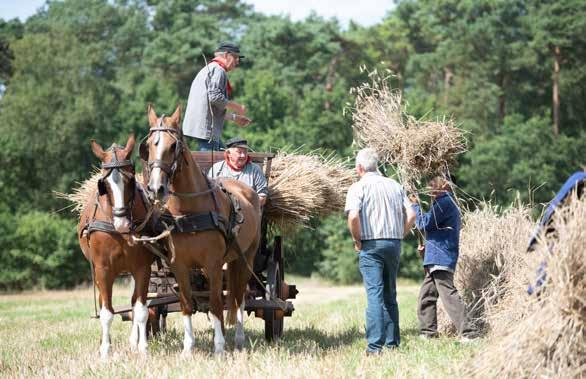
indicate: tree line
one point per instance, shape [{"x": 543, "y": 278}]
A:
[{"x": 511, "y": 72}]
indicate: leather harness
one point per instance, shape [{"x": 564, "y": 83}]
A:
[{"x": 193, "y": 222}]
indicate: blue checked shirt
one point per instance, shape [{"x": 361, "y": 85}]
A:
[{"x": 381, "y": 203}]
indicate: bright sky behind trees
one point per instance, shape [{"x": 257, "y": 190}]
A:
[{"x": 365, "y": 13}]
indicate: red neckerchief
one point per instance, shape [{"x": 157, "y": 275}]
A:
[
  {"x": 228, "y": 86},
  {"x": 235, "y": 168}
]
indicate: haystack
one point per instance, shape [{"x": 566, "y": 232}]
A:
[
  {"x": 416, "y": 148},
  {"x": 84, "y": 190},
  {"x": 301, "y": 186},
  {"x": 492, "y": 248},
  {"x": 544, "y": 335},
  {"x": 304, "y": 186}
]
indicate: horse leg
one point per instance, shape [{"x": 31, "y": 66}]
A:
[
  {"x": 239, "y": 335},
  {"x": 104, "y": 282},
  {"x": 217, "y": 308},
  {"x": 138, "y": 337},
  {"x": 182, "y": 277}
]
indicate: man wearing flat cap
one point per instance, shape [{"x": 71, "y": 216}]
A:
[
  {"x": 208, "y": 104},
  {"x": 237, "y": 165}
]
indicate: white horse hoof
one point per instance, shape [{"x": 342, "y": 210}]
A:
[
  {"x": 219, "y": 350},
  {"x": 104, "y": 352},
  {"x": 142, "y": 349},
  {"x": 186, "y": 353}
]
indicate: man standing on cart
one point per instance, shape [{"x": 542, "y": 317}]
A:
[
  {"x": 208, "y": 104},
  {"x": 237, "y": 165}
]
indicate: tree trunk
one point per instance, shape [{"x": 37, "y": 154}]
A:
[
  {"x": 556, "y": 90},
  {"x": 501, "y": 82},
  {"x": 448, "y": 75}
]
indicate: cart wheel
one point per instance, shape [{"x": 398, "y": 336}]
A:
[
  {"x": 275, "y": 276},
  {"x": 157, "y": 321}
]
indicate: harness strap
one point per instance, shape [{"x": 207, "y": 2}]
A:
[
  {"x": 197, "y": 222},
  {"x": 193, "y": 194},
  {"x": 101, "y": 226}
]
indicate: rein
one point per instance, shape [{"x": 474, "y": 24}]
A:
[{"x": 169, "y": 168}]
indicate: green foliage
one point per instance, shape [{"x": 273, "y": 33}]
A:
[
  {"x": 551, "y": 161},
  {"x": 39, "y": 250},
  {"x": 303, "y": 249},
  {"x": 79, "y": 70},
  {"x": 340, "y": 261}
]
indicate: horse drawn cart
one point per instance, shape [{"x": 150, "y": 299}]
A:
[{"x": 267, "y": 296}]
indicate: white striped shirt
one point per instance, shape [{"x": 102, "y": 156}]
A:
[{"x": 382, "y": 204}]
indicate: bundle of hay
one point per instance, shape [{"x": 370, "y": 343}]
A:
[
  {"x": 417, "y": 148},
  {"x": 82, "y": 192},
  {"x": 492, "y": 248},
  {"x": 545, "y": 335},
  {"x": 304, "y": 186}
]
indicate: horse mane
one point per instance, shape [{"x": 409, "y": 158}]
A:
[{"x": 85, "y": 190}]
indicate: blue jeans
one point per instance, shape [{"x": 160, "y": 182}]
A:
[
  {"x": 206, "y": 145},
  {"x": 379, "y": 266}
]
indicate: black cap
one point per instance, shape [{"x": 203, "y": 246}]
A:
[
  {"x": 237, "y": 142},
  {"x": 230, "y": 48}
]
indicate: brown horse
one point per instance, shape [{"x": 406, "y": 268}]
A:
[
  {"x": 176, "y": 180},
  {"x": 103, "y": 231}
]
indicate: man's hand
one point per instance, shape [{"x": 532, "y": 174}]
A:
[
  {"x": 414, "y": 198},
  {"x": 357, "y": 245},
  {"x": 421, "y": 251},
  {"x": 236, "y": 108},
  {"x": 242, "y": 121}
]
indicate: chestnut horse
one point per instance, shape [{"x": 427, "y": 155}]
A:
[
  {"x": 103, "y": 231},
  {"x": 176, "y": 181}
]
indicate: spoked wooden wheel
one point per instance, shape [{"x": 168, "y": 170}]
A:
[
  {"x": 157, "y": 321},
  {"x": 273, "y": 317}
]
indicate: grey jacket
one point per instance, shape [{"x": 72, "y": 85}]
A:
[
  {"x": 206, "y": 105},
  {"x": 251, "y": 175}
]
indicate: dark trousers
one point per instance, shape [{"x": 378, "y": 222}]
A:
[
  {"x": 379, "y": 266},
  {"x": 441, "y": 284}
]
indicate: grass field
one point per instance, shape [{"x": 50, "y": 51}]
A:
[{"x": 50, "y": 334}]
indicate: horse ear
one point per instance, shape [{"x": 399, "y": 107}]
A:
[
  {"x": 129, "y": 146},
  {"x": 152, "y": 115},
  {"x": 98, "y": 151},
  {"x": 176, "y": 117}
]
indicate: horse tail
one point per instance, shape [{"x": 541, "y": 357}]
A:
[{"x": 232, "y": 283}]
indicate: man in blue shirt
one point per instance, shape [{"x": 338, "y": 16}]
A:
[{"x": 441, "y": 228}]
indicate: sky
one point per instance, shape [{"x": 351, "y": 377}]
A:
[{"x": 363, "y": 12}]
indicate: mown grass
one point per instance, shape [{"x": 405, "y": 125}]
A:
[{"x": 50, "y": 334}]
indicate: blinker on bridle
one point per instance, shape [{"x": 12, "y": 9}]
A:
[
  {"x": 117, "y": 165},
  {"x": 169, "y": 169}
]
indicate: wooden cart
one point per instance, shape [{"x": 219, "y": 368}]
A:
[{"x": 268, "y": 294}]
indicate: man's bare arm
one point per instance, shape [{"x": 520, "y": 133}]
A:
[{"x": 354, "y": 227}]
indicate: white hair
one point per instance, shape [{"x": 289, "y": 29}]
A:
[{"x": 368, "y": 159}]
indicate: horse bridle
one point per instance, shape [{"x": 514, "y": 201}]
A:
[
  {"x": 117, "y": 165},
  {"x": 177, "y": 134}
]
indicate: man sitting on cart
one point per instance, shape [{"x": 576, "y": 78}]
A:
[{"x": 238, "y": 165}]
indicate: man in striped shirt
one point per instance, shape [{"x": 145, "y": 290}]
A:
[{"x": 379, "y": 215}]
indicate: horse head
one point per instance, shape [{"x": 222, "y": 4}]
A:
[
  {"x": 162, "y": 150},
  {"x": 117, "y": 184}
]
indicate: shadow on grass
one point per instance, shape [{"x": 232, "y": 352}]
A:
[
  {"x": 293, "y": 341},
  {"x": 298, "y": 340}
]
